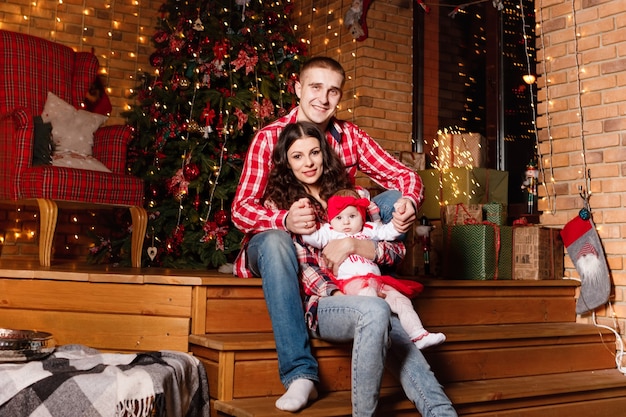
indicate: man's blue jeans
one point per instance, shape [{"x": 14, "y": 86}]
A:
[{"x": 272, "y": 256}]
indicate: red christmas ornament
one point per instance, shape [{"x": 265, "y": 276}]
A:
[
  {"x": 196, "y": 202},
  {"x": 191, "y": 172},
  {"x": 221, "y": 218},
  {"x": 160, "y": 37},
  {"x": 156, "y": 60}
]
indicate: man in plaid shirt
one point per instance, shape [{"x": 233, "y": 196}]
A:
[{"x": 269, "y": 251}]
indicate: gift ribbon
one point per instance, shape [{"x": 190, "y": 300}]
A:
[{"x": 456, "y": 214}]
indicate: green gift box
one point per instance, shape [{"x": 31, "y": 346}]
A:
[
  {"x": 462, "y": 185},
  {"x": 495, "y": 213},
  {"x": 478, "y": 252}
]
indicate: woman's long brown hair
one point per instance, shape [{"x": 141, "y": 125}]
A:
[{"x": 283, "y": 189}]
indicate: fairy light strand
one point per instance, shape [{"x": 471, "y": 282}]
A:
[
  {"x": 532, "y": 103},
  {"x": 82, "y": 26},
  {"x": 111, "y": 31},
  {"x": 53, "y": 33},
  {"x": 550, "y": 196},
  {"x": 355, "y": 96},
  {"x": 28, "y": 18},
  {"x": 586, "y": 191}
]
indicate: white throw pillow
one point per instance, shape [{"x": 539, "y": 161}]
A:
[
  {"x": 72, "y": 130},
  {"x": 78, "y": 161}
]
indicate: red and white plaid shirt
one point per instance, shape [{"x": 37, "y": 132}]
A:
[{"x": 357, "y": 150}]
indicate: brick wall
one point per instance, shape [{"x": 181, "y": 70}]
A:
[{"x": 595, "y": 83}]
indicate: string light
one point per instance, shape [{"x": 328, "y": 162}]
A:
[
  {"x": 529, "y": 78},
  {"x": 57, "y": 20},
  {"x": 113, "y": 27},
  {"x": 30, "y": 13},
  {"x": 82, "y": 25},
  {"x": 586, "y": 189},
  {"x": 550, "y": 195}
]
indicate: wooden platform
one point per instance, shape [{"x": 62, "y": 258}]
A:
[
  {"x": 111, "y": 309},
  {"x": 513, "y": 347}
]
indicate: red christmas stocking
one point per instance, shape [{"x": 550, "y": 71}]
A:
[
  {"x": 355, "y": 19},
  {"x": 585, "y": 250}
]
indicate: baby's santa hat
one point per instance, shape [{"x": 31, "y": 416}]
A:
[{"x": 585, "y": 250}]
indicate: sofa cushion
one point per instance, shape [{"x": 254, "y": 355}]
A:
[
  {"x": 75, "y": 160},
  {"x": 72, "y": 130}
]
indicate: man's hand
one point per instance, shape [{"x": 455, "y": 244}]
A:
[
  {"x": 301, "y": 217},
  {"x": 404, "y": 215}
]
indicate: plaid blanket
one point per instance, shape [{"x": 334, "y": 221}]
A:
[{"x": 79, "y": 381}]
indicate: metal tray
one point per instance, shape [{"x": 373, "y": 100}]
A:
[{"x": 24, "y": 345}]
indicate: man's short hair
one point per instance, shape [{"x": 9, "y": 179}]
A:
[{"x": 324, "y": 62}]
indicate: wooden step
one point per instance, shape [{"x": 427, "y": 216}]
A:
[
  {"x": 235, "y": 363},
  {"x": 237, "y": 305},
  {"x": 463, "y": 302},
  {"x": 572, "y": 394}
]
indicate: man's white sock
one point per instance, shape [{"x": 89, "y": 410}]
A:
[{"x": 299, "y": 393}]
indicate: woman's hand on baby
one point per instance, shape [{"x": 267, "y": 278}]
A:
[
  {"x": 301, "y": 217},
  {"x": 404, "y": 215}
]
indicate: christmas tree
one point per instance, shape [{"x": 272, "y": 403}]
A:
[{"x": 222, "y": 70}]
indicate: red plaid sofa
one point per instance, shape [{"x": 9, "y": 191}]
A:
[{"x": 30, "y": 67}]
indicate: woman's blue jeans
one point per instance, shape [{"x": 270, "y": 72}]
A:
[
  {"x": 377, "y": 333},
  {"x": 272, "y": 256}
]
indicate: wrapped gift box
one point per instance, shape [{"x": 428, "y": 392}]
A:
[
  {"x": 495, "y": 213},
  {"x": 463, "y": 214},
  {"x": 537, "y": 253},
  {"x": 461, "y": 150},
  {"x": 460, "y": 185},
  {"x": 477, "y": 252}
]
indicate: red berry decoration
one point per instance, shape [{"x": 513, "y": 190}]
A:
[
  {"x": 153, "y": 190},
  {"x": 221, "y": 218},
  {"x": 191, "y": 172}
]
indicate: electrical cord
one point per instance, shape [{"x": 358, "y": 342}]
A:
[{"x": 619, "y": 355}]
